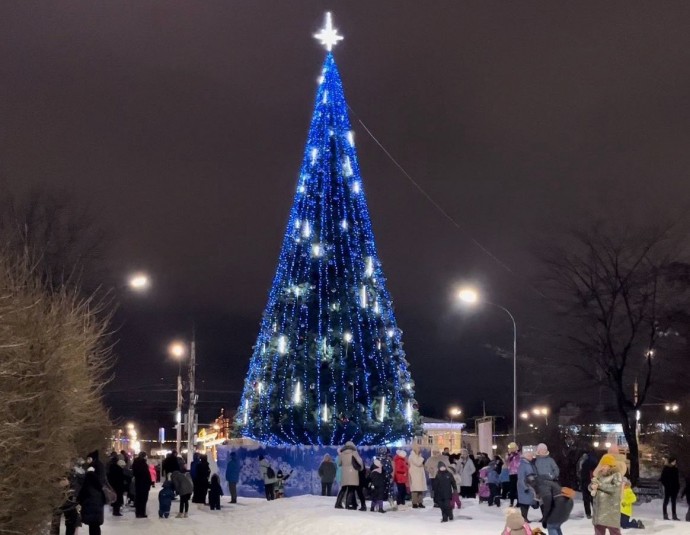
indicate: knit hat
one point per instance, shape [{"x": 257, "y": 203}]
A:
[
  {"x": 568, "y": 492},
  {"x": 441, "y": 465},
  {"x": 542, "y": 450},
  {"x": 514, "y": 520},
  {"x": 608, "y": 460},
  {"x": 401, "y": 453}
]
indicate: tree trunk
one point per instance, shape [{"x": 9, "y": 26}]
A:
[{"x": 633, "y": 447}]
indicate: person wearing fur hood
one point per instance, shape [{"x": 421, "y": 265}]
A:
[
  {"x": 348, "y": 457},
  {"x": 417, "y": 477},
  {"x": 606, "y": 490},
  {"x": 516, "y": 524}
]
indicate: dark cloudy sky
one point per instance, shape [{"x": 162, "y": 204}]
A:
[{"x": 182, "y": 125}]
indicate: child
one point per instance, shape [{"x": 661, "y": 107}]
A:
[
  {"x": 504, "y": 481},
  {"x": 215, "y": 493},
  {"x": 378, "y": 484},
  {"x": 280, "y": 484},
  {"x": 484, "y": 492},
  {"x": 627, "y": 500},
  {"x": 444, "y": 486},
  {"x": 606, "y": 489},
  {"x": 165, "y": 498},
  {"x": 455, "y": 498},
  {"x": 492, "y": 479},
  {"x": 516, "y": 524}
]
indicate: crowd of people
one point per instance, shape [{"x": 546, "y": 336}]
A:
[{"x": 527, "y": 478}]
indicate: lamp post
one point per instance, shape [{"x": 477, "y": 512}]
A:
[
  {"x": 177, "y": 350},
  {"x": 471, "y": 297}
]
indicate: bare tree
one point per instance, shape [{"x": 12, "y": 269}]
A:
[
  {"x": 54, "y": 360},
  {"x": 620, "y": 295},
  {"x": 58, "y": 232}
]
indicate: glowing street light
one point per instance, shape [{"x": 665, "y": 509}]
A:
[
  {"x": 471, "y": 296},
  {"x": 177, "y": 350},
  {"x": 524, "y": 415},
  {"x": 454, "y": 413},
  {"x": 672, "y": 407},
  {"x": 139, "y": 282}
]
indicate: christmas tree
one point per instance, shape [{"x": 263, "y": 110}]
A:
[{"x": 328, "y": 365}]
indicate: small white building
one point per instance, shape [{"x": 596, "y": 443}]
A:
[{"x": 440, "y": 434}]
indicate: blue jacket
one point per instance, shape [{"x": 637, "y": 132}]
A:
[
  {"x": 165, "y": 497},
  {"x": 492, "y": 477},
  {"x": 526, "y": 494},
  {"x": 232, "y": 471},
  {"x": 505, "y": 475}
]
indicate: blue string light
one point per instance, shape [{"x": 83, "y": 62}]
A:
[{"x": 328, "y": 365}]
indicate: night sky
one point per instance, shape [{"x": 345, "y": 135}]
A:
[{"x": 182, "y": 125}]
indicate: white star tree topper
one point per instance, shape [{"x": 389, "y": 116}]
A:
[{"x": 328, "y": 35}]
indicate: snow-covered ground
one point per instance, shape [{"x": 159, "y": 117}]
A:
[{"x": 307, "y": 515}]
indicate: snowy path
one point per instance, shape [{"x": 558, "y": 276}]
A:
[{"x": 307, "y": 515}]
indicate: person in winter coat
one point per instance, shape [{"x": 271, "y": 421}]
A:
[
  {"x": 401, "y": 475},
  {"x": 606, "y": 490},
  {"x": 169, "y": 465},
  {"x": 93, "y": 461},
  {"x": 504, "y": 481},
  {"x": 387, "y": 471},
  {"x": 184, "y": 486},
  {"x": 154, "y": 475},
  {"x": 432, "y": 469},
  {"x": 516, "y": 524},
  {"x": 200, "y": 479},
  {"x": 526, "y": 496},
  {"x": 466, "y": 470},
  {"x": 70, "y": 507},
  {"x": 214, "y": 493},
  {"x": 269, "y": 477},
  {"x": 513, "y": 462},
  {"x": 378, "y": 485},
  {"x": 165, "y": 498},
  {"x": 327, "y": 471},
  {"x": 546, "y": 468},
  {"x": 142, "y": 484},
  {"x": 116, "y": 480},
  {"x": 455, "y": 497},
  {"x": 628, "y": 498},
  {"x": 232, "y": 475},
  {"x": 493, "y": 480},
  {"x": 417, "y": 477},
  {"x": 586, "y": 467},
  {"x": 670, "y": 479},
  {"x": 686, "y": 494},
  {"x": 444, "y": 486},
  {"x": 557, "y": 503},
  {"x": 92, "y": 501},
  {"x": 280, "y": 483},
  {"x": 347, "y": 458}
]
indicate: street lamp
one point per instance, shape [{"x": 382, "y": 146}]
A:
[
  {"x": 454, "y": 412},
  {"x": 139, "y": 282},
  {"x": 471, "y": 297},
  {"x": 178, "y": 350}
]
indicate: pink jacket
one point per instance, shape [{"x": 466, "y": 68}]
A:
[{"x": 513, "y": 463}]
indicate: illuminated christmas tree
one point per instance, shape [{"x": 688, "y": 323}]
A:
[{"x": 328, "y": 365}]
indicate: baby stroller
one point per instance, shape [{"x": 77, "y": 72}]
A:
[{"x": 484, "y": 491}]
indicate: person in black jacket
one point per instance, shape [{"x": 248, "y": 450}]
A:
[
  {"x": 169, "y": 465},
  {"x": 92, "y": 501},
  {"x": 69, "y": 509},
  {"x": 686, "y": 494},
  {"x": 200, "y": 478},
  {"x": 215, "y": 492},
  {"x": 586, "y": 468},
  {"x": 670, "y": 479},
  {"x": 444, "y": 486},
  {"x": 142, "y": 484},
  {"x": 378, "y": 485},
  {"x": 116, "y": 479}
]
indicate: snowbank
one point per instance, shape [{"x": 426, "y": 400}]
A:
[{"x": 307, "y": 515}]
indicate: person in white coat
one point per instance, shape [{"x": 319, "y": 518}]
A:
[
  {"x": 465, "y": 470},
  {"x": 349, "y": 476},
  {"x": 417, "y": 477}
]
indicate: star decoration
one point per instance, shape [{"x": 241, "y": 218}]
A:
[{"x": 328, "y": 35}]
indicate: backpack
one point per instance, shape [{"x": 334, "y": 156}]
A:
[
  {"x": 270, "y": 473},
  {"x": 355, "y": 464}
]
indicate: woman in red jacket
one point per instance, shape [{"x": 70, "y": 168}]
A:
[{"x": 401, "y": 475}]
